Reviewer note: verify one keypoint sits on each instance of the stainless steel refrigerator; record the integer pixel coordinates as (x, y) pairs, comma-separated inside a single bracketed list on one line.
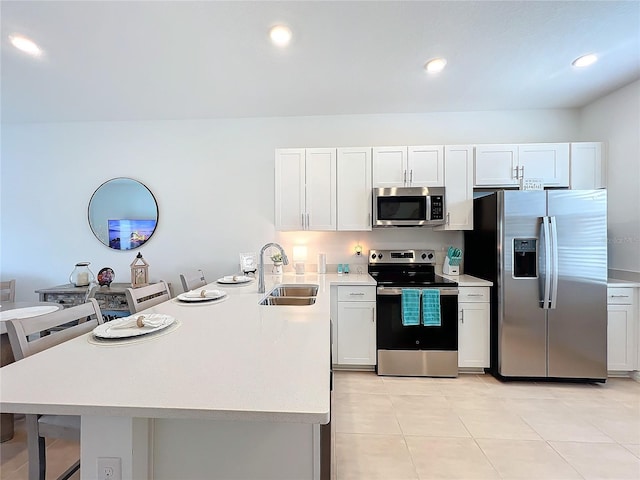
[(546, 253)]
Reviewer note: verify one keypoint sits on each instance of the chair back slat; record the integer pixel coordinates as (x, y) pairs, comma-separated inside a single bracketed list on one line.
[(146, 297), (193, 280), (8, 291), (88, 316)]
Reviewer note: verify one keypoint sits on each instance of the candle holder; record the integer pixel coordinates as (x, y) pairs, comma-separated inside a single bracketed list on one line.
[(81, 275)]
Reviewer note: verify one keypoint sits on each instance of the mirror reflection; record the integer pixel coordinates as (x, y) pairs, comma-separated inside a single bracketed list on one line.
[(123, 213)]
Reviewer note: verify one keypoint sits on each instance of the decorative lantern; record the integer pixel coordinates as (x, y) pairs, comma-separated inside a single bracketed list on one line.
[(81, 275), (139, 272)]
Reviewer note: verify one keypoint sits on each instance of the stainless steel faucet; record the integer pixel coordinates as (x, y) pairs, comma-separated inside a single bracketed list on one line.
[(285, 261)]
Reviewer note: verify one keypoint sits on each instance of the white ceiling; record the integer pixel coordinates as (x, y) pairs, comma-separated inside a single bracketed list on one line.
[(148, 60)]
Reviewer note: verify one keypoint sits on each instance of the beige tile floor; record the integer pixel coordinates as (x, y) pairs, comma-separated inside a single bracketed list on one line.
[(474, 427), (470, 427)]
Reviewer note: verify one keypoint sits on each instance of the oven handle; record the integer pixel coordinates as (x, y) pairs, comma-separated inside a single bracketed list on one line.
[(398, 291)]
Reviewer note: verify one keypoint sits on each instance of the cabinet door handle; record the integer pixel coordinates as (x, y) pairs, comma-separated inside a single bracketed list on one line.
[(353, 294), (302, 220), (474, 295), (448, 218), (522, 172), (516, 173), (307, 221), (405, 177), (411, 177), (462, 315), (619, 296), (373, 315)]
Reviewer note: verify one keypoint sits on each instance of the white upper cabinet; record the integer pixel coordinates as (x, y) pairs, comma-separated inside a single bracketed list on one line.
[(426, 166), (417, 166), (506, 165), (321, 189), (496, 165), (548, 161), (458, 182), (389, 166), (588, 168), (305, 189), (354, 188), (290, 189)]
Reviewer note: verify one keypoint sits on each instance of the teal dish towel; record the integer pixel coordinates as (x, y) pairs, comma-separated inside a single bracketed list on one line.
[(410, 307), (431, 307)]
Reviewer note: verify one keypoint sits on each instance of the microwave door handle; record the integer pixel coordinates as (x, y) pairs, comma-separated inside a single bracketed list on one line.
[(554, 261), (428, 212), (544, 263)]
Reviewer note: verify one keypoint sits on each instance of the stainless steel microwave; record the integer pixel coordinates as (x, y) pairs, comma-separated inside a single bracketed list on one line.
[(408, 207)]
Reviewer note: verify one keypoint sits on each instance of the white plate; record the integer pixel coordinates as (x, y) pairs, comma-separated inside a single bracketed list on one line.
[(106, 330), (238, 279), (27, 312), (195, 296)]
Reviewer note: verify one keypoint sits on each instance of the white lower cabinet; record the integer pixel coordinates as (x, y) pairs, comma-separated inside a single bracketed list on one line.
[(354, 321), (473, 327), (621, 327)]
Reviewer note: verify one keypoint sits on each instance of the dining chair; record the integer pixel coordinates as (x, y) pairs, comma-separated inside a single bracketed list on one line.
[(145, 297), (8, 291), (193, 280), (39, 427)]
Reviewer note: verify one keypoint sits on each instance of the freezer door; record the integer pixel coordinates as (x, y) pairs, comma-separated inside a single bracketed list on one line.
[(522, 331), (577, 319)]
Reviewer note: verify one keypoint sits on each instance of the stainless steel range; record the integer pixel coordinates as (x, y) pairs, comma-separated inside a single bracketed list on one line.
[(413, 349)]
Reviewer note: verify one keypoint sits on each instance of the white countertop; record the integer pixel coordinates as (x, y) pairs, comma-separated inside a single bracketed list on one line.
[(614, 283), (468, 281), (232, 360)]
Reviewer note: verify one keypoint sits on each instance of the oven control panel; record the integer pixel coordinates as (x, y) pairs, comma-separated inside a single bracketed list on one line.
[(402, 256)]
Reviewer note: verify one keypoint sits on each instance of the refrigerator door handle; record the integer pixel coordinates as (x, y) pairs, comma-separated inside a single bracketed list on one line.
[(545, 280), (554, 262)]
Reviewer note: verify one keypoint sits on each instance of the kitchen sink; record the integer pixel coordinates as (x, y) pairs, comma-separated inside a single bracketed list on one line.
[(296, 290), (295, 294), (295, 301)]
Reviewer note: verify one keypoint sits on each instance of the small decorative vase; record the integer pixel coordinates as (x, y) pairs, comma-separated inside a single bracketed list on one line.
[(81, 275), (277, 268)]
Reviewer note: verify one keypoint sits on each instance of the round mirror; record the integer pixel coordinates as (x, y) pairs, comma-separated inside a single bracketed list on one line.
[(123, 213)]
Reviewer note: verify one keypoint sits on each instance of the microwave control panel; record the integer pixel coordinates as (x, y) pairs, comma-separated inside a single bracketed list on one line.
[(437, 207)]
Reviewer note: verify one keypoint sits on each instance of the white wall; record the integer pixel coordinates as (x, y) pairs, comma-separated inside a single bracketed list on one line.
[(615, 120), (213, 180)]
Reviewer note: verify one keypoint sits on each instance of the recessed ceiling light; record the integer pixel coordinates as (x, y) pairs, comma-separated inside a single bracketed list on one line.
[(25, 44), (280, 35), (585, 60), (436, 65)]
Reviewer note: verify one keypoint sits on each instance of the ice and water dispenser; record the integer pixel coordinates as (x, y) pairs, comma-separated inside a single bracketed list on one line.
[(525, 263)]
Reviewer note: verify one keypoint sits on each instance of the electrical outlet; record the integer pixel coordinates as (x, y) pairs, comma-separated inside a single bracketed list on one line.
[(109, 468)]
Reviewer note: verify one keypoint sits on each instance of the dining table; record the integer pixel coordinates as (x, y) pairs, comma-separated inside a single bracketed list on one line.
[(9, 311)]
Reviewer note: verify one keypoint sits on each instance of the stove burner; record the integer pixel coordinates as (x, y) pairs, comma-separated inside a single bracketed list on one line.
[(406, 268)]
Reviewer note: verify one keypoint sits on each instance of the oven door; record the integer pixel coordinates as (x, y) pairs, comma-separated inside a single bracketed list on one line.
[(393, 335)]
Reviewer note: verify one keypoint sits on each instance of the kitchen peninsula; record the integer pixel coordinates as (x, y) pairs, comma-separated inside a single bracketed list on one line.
[(238, 390)]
